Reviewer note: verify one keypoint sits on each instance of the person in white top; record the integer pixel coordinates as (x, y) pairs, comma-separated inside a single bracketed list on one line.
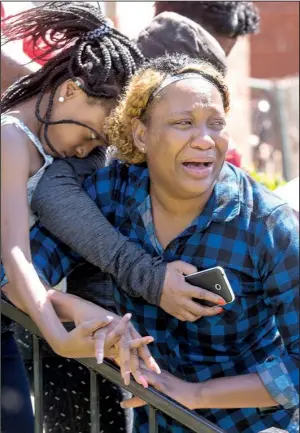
[(58, 111)]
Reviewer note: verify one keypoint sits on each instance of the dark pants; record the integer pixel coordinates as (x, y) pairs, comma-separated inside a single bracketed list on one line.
[(16, 408)]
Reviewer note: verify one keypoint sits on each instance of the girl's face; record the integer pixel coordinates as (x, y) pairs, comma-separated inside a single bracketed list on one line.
[(75, 140), (185, 139)]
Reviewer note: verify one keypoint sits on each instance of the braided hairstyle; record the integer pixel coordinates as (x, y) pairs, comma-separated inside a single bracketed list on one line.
[(137, 100), (226, 18), (82, 45)]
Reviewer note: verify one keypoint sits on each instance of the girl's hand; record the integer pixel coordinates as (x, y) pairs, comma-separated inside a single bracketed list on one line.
[(119, 338), (79, 342)]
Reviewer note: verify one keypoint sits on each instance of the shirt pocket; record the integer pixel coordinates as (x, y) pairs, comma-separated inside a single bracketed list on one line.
[(248, 304)]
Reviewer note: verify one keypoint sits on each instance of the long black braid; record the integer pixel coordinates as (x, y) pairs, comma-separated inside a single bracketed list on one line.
[(85, 47)]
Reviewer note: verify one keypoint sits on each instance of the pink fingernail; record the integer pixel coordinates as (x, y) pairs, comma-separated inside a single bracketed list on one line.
[(154, 366), (143, 381)]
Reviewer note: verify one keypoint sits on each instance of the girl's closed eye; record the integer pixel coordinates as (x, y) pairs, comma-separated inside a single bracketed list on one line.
[(98, 139)]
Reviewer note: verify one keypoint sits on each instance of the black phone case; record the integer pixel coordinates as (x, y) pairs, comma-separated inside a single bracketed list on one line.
[(213, 280)]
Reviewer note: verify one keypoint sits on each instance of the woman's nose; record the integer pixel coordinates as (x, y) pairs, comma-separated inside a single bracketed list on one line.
[(202, 140)]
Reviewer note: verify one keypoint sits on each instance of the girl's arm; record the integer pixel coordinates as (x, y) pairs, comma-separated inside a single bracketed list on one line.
[(15, 247), (26, 289), (65, 209)]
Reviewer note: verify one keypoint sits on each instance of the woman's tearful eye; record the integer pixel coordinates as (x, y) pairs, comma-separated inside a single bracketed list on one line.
[(183, 123), (218, 123), (93, 136)]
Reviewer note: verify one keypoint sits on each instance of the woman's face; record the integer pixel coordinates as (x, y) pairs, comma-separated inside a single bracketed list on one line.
[(185, 138), (74, 140)]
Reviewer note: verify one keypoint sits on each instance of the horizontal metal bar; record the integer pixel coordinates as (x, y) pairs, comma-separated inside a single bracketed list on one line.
[(18, 316), (179, 413)]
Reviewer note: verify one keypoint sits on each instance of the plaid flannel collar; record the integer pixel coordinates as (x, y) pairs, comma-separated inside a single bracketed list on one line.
[(223, 205)]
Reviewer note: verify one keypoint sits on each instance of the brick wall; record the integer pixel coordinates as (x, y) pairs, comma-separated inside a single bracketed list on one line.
[(275, 51)]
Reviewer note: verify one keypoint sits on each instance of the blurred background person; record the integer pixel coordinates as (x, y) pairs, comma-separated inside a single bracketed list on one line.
[(225, 21)]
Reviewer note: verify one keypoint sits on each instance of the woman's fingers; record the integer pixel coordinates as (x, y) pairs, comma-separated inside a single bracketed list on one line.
[(124, 348), (135, 360), (131, 346), (129, 359), (140, 342), (115, 335), (158, 381), (145, 354), (148, 359), (135, 368), (132, 403)]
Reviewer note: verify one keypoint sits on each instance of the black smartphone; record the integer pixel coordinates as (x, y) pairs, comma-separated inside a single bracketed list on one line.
[(213, 280)]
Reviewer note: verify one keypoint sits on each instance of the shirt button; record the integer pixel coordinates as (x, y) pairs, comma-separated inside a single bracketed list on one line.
[(172, 247)]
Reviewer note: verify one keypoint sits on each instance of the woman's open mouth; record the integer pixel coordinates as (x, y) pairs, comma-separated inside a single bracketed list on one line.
[(198, 169)]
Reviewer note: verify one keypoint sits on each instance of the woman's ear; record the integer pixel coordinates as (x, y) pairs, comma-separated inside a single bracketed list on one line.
[(139, 134)]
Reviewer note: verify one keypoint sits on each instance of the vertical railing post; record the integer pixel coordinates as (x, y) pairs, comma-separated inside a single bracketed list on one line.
[(38, 386), (153, 428), (94, 403)]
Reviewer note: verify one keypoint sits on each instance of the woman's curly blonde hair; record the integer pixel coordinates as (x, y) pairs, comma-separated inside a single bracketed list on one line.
[(135, 101)]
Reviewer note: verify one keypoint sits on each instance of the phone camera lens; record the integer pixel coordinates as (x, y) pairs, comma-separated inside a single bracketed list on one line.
[(218, 287)]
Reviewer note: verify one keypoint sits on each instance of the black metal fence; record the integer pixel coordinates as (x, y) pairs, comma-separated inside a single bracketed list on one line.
[(156, 400)]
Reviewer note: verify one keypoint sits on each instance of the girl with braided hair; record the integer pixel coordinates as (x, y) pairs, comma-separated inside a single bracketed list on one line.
[(56, 112)]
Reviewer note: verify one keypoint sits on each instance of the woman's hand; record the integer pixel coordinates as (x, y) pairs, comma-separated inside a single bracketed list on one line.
[(183, 392), (177, 295)]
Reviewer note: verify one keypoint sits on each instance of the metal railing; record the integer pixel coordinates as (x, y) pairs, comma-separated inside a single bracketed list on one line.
[(156, 400)]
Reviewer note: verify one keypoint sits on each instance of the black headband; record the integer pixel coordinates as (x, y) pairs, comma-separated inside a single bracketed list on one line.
[(173, 79)]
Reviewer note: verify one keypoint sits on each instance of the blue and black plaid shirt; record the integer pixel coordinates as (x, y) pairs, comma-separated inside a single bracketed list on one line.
[(254, 236)]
